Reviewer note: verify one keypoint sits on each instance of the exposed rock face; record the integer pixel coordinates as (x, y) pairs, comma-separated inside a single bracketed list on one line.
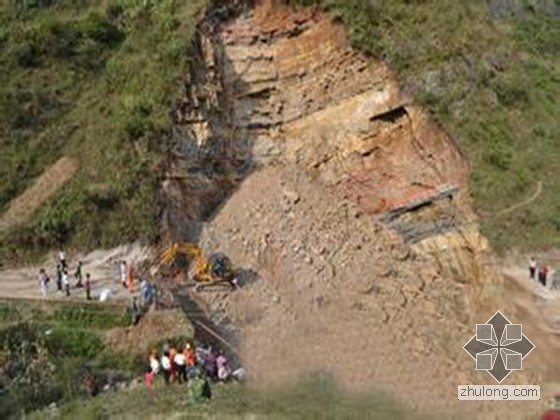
[(281, 92), (276, 86)]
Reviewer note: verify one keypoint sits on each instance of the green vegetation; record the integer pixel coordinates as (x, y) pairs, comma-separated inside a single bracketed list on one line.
[(492, 84), (90, 317), (311, 399), (94, 80), (46, 350)]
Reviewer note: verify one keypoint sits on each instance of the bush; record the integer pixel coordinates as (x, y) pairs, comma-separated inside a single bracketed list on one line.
[(27, 372), (498, 155), (72, 342), (59, 220), (86, 317), (100, 29)]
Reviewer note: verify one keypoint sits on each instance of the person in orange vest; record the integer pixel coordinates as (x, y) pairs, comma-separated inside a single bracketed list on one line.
[(190, 357)]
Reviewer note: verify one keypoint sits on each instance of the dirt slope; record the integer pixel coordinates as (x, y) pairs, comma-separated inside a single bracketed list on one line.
[(341, 293), (47, 184)]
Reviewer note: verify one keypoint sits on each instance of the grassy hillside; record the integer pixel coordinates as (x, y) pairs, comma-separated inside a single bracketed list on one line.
[(95, 80), (494, 85), (314, 399), (46, 348)]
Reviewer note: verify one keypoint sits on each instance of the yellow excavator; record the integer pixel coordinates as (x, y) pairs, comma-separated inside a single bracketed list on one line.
[(215, 269)]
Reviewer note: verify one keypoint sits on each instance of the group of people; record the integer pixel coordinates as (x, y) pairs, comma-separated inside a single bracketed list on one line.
[(63, 278), (539, 271), (189, 363)]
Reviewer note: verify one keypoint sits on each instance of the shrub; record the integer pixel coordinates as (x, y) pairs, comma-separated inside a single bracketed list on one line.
[(100, 29), (72, 342), (86, 317), (60, 218)]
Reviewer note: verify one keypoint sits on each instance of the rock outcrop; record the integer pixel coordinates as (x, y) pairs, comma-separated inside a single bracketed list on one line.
[(303, 160), (279, 86)]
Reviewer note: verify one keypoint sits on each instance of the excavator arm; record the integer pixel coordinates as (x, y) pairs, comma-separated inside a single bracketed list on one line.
[(199, 270), (171, 253)]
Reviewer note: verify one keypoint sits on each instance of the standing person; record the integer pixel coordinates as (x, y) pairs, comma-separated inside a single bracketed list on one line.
[(223, 367), (532, 268), (154, 363), (91, 384), (88, 287), (62, 259), (143, 288), (123, 273), (130, 279), (59, 277), (172, 354), (166, 367), (544, 270), (210, 364), (78, 274), (66, 282), (44, 282), (134, 311), (180, 363), (149, 377), (190, 359), (555, 280), (554, 412)]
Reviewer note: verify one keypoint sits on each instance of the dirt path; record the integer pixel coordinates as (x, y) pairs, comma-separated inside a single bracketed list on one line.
[(102, 266), (48, 183), (535, 195)]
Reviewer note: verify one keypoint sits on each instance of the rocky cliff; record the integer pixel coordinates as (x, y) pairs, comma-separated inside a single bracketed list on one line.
[(303, 160), (282, 86)]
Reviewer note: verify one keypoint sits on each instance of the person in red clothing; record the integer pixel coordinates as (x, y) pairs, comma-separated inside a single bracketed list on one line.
[(149, 377), (554, 412), (172, 354)]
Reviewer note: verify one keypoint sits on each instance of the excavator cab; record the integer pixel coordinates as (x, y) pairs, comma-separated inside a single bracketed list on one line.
[(220, 266)]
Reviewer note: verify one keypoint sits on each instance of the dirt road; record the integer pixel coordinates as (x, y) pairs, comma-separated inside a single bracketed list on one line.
[(102, 266)]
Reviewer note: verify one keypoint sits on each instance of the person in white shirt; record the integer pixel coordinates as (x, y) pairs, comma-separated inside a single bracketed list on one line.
[(154, 364), (532, 268), (66, 282), (166, 367), (43, 282), (181, 367), (123, 273), (62, 258)]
